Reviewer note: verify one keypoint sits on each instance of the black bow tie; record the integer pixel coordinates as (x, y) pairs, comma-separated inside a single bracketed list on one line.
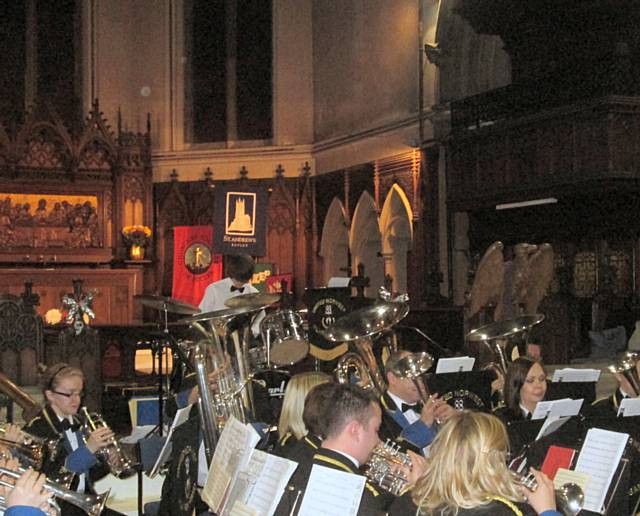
[(239, 289), (416, 407), (66, 425)]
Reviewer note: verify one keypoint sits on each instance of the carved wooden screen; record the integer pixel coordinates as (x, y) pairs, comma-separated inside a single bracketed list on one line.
[(65, 194), (21, 338)]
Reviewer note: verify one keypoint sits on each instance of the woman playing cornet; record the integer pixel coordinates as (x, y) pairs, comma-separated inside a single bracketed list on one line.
[(63, 388)]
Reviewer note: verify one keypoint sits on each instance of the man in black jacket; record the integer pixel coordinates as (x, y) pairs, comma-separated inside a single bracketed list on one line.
[(351, 432)]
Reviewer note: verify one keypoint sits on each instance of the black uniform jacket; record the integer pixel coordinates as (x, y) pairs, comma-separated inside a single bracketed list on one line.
[(299, 450), (47, 425), (372, 503), (497, 507)]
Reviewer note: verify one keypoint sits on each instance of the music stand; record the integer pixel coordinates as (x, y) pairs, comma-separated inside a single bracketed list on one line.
[(165, 305)]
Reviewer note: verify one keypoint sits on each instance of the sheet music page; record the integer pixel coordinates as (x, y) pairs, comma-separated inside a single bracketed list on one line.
[(566, 408), (261, 484), (543, 409), (551, 424), (232, 454), (455, 365), (599, 457), (181, 416), (569, 374), (330, 492), (629, 407)]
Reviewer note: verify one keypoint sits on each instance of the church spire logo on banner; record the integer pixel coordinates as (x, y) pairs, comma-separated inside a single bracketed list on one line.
[(240, 220), (241, 213)]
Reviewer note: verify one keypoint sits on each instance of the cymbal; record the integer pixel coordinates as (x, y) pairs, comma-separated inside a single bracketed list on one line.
[(367, 321), (255, 300), (503, 329), (218, 314), (169, 304)]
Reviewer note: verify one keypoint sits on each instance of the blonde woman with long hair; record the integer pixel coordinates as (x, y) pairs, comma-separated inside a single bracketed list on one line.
[(466, 474), (291, 427)]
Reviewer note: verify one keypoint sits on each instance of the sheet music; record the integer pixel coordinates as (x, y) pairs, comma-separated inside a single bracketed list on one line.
[(557, 408), (260, 485), (231, 455), (455, 365), (599, 457), (629, 407), (569, 374), (181, 416), (551, 424), (330, 492)]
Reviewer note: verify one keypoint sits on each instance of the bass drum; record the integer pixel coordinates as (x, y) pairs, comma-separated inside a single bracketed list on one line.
[(179, 490), (275, 383)]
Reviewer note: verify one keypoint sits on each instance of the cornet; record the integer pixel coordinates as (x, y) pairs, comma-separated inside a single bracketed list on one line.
[(32, 448), (569, 498), (387, 467), (91, 504), (628, 368), (116, 459)]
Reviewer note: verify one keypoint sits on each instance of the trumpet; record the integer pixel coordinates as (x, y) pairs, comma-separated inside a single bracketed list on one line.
[(91, 504), (569, 498), (120, 464), (387, 467), (628, 368), (32, 448)]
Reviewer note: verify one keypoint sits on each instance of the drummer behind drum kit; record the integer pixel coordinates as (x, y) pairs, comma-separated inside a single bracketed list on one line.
[(224, 333)]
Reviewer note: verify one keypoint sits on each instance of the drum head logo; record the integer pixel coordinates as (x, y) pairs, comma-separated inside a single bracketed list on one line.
[(197, 258)]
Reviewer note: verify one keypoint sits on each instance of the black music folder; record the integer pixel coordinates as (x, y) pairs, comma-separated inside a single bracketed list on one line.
[(573, 390), (466, 390)]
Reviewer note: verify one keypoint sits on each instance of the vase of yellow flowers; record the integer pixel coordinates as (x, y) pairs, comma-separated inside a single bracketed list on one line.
[(137, 237)]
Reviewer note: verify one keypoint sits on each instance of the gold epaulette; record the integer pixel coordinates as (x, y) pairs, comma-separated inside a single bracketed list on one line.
[(509, 504)]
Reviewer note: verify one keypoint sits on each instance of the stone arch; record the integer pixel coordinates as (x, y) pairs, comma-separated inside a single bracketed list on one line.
[(365, 242), (334, 243), (396, 229)]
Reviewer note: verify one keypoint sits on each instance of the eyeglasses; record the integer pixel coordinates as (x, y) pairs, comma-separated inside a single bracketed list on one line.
[(70, 394)]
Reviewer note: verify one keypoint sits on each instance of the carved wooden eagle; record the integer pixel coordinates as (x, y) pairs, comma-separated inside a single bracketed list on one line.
[(508, 285)]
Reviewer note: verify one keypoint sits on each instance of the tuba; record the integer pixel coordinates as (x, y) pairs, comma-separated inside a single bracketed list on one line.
[(218, 405), (569, 498), (628, 367), (119, 462), (91, 504)]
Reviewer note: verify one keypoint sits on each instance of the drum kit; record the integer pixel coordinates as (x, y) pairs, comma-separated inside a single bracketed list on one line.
[(283, 341)]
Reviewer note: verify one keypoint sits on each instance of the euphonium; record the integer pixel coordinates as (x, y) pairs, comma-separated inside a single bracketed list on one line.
[(569, 498), (387, 467), (32, 448), (363, 364), (120, 464), (91, 504), (628, 368)]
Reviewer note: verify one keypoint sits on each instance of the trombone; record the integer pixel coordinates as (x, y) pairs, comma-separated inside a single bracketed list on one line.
[(91, 504)]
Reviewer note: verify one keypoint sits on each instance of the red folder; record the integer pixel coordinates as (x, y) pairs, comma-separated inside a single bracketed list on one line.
[(556, 458)]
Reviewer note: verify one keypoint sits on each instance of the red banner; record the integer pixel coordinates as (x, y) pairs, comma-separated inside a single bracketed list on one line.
[(194, 265)]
